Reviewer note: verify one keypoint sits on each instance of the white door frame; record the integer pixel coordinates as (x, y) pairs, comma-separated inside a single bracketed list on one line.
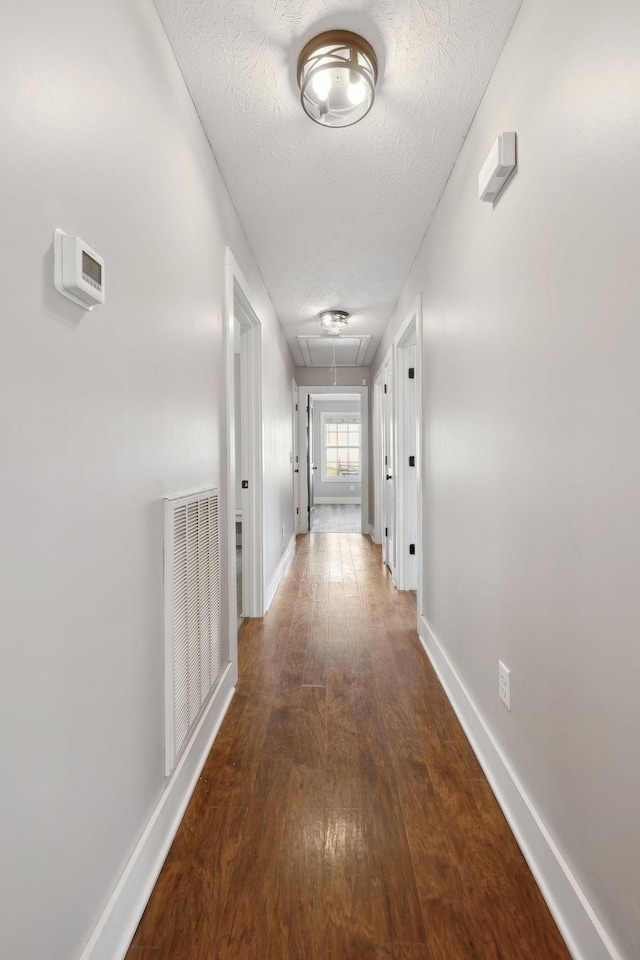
[(238, 302), (295, 454), (408, 576), (303, 396), (388, 463), (406, 439), (378, 458)]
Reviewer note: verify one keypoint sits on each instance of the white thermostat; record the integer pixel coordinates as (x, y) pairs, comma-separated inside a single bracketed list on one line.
[(78, 271), (497, 167)]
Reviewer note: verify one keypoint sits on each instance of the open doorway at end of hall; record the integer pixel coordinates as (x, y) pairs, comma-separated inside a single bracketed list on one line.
[(333, 432)]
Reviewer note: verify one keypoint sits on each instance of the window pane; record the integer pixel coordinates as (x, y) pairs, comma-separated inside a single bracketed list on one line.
[(341, 448)]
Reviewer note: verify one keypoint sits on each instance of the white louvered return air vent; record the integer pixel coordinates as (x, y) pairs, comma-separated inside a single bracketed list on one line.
[(193, 658)]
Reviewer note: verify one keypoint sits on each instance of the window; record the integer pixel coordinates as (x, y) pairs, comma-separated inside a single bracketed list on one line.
[(340, 447)]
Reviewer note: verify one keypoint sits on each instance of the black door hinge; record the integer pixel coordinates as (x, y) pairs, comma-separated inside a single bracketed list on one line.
[(385, 388), (296, 406), (297, 509), (412, 461), (386, 531), (386, 461), (245, 484), (412, 549), (412, 373)]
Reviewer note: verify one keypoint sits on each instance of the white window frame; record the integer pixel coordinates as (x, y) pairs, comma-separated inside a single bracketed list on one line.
[(335, 416)]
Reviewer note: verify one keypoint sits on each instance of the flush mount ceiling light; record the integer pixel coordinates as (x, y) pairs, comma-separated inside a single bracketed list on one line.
[(337, 73), (333, 321)]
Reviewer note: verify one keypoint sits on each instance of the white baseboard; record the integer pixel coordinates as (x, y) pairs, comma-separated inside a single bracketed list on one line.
[(274, 583), (114, 931), (584, 935), (337, 499)]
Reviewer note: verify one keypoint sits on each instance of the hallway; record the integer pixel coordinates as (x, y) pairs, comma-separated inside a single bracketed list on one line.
[(341, 812)]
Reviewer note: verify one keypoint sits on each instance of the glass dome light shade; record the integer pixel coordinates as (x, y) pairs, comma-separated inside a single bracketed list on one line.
[(337, 74), (333, 321)]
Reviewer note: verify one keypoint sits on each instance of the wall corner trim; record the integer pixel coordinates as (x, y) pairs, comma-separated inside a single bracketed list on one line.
[(583, 932), (274, 583), (115, 929)]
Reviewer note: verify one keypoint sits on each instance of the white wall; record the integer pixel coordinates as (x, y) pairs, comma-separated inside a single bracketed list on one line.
[(333, 489), (103, 414), (531, 397)]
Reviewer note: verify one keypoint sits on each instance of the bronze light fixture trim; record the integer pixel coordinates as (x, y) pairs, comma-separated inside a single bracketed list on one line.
[(337, 74)]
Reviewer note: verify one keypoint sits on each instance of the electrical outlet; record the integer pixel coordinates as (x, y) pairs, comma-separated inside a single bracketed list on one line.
[(504, 684)]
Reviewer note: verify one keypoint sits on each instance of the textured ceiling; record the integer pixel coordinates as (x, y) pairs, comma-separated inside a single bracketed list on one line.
[(335, 217)]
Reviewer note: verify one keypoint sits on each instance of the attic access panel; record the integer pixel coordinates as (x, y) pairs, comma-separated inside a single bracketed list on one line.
[(349, 351)]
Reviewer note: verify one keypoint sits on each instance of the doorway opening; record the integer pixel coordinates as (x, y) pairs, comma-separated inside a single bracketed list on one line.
[(243, 494), (333, 479)]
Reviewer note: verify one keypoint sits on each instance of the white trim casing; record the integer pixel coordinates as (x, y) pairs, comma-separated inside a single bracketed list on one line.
[(407, 414), (295, 455), (377, 471), (238, 290), (115, 929), (421, 447), (387, 459), (583, 933), (304, 393)]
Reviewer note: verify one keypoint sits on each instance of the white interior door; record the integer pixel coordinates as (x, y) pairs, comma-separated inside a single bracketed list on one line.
[(295, 456), (407, 465), (311, 465), (388, 490)]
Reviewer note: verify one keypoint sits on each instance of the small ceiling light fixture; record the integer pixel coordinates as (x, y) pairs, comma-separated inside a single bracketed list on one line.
[(337, 74), (333, 321)]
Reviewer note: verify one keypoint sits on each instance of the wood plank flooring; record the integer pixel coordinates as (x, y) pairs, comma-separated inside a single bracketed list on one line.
[(341, 814)]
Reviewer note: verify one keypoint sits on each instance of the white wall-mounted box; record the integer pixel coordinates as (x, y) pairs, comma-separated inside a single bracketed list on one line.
[(498, 167), (78, 271)]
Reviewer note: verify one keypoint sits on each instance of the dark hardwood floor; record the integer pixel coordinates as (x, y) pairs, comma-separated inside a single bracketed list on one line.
[(341, 814)]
